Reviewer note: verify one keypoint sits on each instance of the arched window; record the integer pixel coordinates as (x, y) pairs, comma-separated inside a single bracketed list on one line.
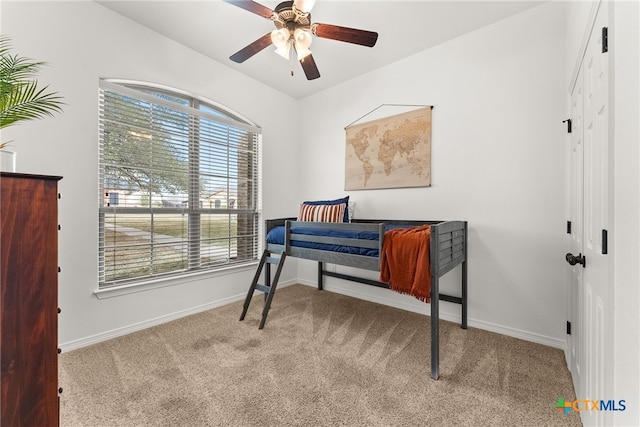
[(164, 157)]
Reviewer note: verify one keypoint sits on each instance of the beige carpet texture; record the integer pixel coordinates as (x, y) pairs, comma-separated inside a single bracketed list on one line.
[(323, 359)]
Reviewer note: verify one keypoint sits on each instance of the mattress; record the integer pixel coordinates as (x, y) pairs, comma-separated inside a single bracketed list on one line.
[(276, 236)]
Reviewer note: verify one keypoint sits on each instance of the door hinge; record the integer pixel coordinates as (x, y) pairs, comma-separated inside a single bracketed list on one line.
[(568, 122), (568, 328), (605, 243), (568, 227), (605, 40)]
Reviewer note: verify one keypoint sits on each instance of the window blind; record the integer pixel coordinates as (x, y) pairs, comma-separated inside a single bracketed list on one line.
[(179, 185)]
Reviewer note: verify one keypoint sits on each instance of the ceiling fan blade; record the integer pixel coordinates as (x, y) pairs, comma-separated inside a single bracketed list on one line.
[(252, 7), (310, 68), (251, 49), (304, 5), (345, 34)]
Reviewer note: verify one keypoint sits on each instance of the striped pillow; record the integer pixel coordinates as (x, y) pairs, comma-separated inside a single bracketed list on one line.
[(332, 202), (322, 213)]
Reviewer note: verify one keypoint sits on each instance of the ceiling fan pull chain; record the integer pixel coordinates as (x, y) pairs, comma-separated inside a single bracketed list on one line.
[(293, 60)]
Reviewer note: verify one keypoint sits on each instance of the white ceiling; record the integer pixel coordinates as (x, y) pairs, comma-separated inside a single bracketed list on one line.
[(217, 30)]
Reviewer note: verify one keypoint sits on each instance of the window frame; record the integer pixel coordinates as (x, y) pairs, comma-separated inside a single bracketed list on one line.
[(219, 114)]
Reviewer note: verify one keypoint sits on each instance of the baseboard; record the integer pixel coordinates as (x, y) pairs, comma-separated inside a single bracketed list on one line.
[(517, 333), (115, 333), (421, 308), (416, 307)]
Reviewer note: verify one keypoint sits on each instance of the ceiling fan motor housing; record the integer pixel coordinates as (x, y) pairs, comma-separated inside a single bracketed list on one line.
[(287, 16)]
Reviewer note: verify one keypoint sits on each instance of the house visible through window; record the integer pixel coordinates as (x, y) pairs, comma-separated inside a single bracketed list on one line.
[(179, 185)]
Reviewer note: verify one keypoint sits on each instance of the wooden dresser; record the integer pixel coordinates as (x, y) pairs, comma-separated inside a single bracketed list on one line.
[(29, 300)]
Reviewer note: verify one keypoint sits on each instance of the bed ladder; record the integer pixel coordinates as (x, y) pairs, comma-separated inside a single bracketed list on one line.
[(269, 287)]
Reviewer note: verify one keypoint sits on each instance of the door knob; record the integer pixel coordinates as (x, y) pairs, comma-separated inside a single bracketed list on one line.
[(573, 260)]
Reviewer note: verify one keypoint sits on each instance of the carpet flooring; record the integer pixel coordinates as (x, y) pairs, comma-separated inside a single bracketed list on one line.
[(323, 359)]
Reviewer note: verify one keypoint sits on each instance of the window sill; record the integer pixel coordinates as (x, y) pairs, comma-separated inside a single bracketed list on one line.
[(117, 291)]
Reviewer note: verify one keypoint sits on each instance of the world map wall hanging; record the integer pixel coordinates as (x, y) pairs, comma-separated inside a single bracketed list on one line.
[(393, 151)]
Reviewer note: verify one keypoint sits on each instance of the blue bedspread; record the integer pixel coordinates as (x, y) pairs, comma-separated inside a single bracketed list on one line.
[(276, 236)]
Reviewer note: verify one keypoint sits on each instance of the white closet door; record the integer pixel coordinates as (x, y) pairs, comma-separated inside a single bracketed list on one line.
[(597, 302), (590, 300)]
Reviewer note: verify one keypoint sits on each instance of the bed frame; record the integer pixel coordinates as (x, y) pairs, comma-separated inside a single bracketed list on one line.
[(448, 249)]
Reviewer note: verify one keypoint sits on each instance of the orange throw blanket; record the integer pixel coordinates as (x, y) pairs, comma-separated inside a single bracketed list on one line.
[(404, 263)]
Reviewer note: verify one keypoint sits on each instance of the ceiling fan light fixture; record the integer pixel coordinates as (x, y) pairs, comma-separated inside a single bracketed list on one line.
[(302, 52), (280, 37), (284, 50), (302, 38), (304, 6), (302, 41), (282, 41)]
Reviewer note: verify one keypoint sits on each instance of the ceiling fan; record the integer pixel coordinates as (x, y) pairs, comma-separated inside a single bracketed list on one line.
[(294, 29)]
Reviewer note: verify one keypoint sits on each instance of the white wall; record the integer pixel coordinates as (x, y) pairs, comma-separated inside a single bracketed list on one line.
[(497, 161), (83, 41)]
